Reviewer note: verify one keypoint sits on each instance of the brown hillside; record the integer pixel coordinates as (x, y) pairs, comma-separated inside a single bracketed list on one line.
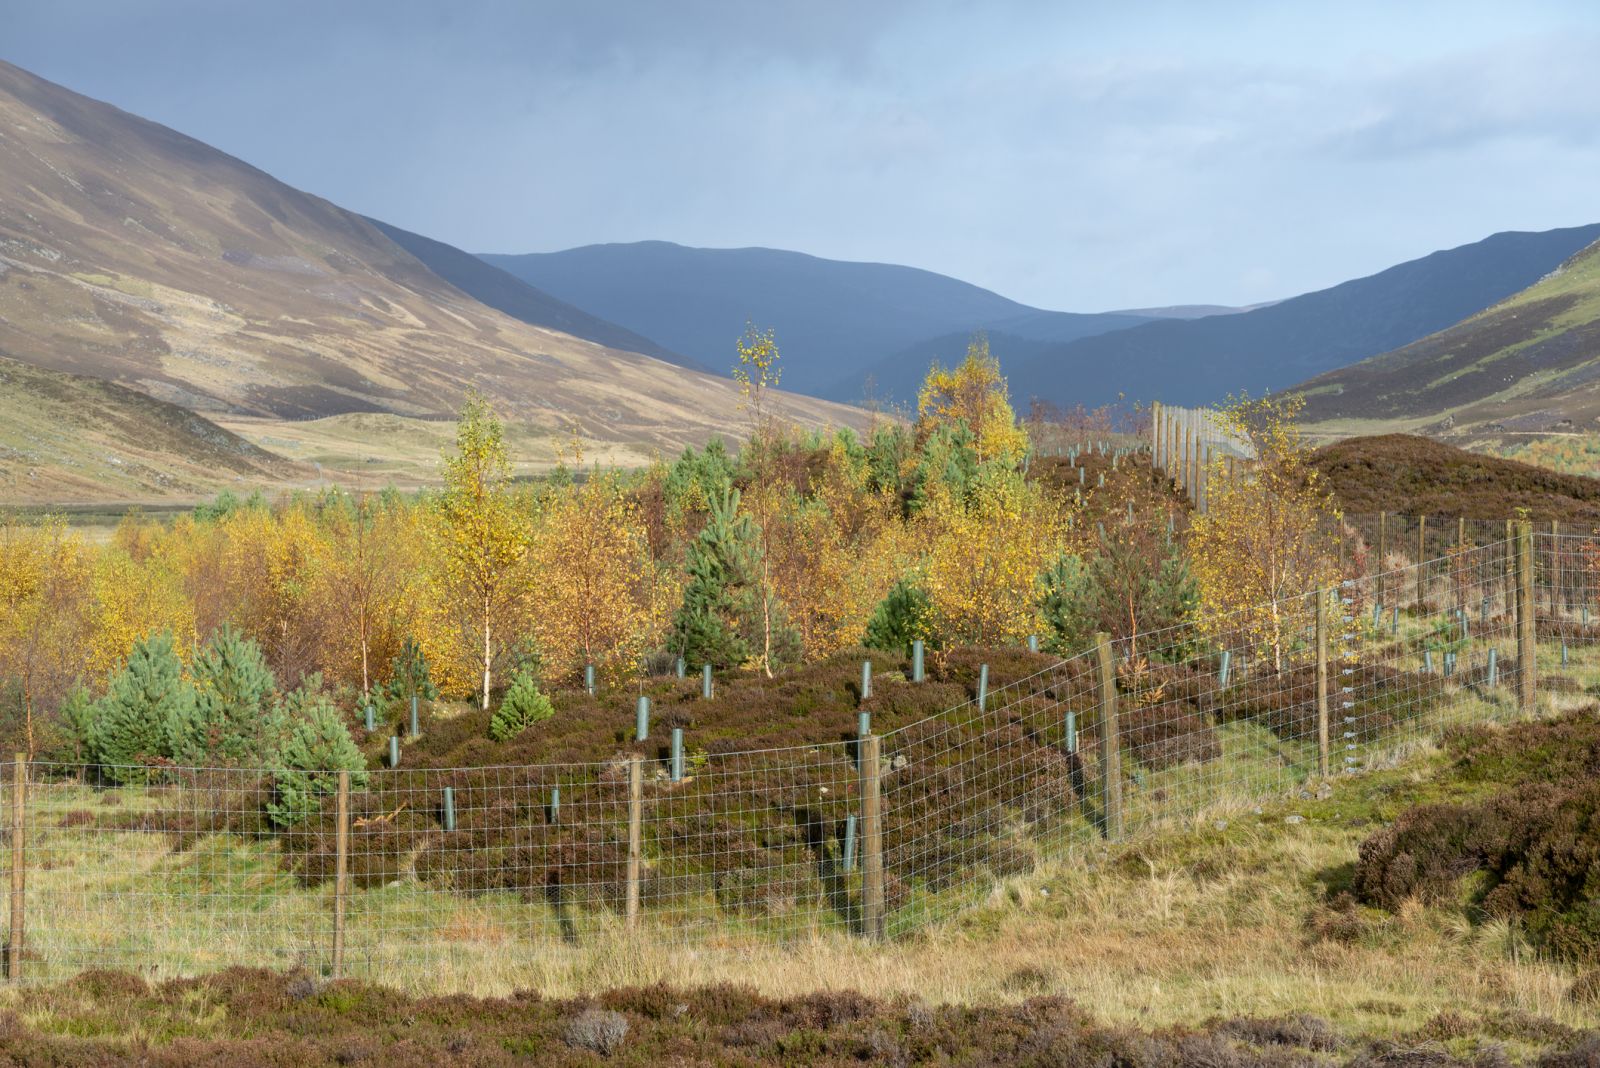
[(1408, 475), (133, 253), (71, 438)]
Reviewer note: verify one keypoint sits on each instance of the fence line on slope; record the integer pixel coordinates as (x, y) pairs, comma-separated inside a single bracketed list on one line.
[(450, 871)]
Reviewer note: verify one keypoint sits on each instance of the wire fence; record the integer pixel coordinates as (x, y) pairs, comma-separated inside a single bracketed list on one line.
[(1187, 443), (182, 870)]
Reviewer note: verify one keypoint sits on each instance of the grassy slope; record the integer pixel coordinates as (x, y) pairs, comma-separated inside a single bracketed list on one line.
[(1529, 364), (68, 438), (132, 253)]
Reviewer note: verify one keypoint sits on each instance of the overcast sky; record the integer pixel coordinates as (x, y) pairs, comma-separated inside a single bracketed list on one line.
[(1074, 156)]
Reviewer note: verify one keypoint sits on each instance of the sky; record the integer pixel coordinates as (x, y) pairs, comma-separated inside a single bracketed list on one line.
[(1073, 156)]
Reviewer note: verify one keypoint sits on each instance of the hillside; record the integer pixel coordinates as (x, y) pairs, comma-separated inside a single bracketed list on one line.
[(837, 322), (1529, 364), (503, 292), (70, 438), (133, 253), (1202, 360), (1409, 475)]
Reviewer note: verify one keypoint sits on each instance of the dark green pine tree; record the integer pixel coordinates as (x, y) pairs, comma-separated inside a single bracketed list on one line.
[(409, 674), (146, 704), (899, 619), (707, 628), (232, 723), (316, 747)]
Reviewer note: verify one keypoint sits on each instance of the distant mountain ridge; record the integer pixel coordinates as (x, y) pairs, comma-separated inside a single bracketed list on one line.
[(1200, 361), (837, 321), (1529, 364), (504, 292)]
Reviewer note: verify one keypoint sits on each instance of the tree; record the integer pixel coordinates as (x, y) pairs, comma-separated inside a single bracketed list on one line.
[(1260, 545), (485, 538), (317, 746), (147, 705), (233, 691), (362, 580), (44, 586), (591, 599), (984, 558), (522, 707), (900, 618), (974, 393), (728, 616), (757, 372), (1138, 582), (409, 674)]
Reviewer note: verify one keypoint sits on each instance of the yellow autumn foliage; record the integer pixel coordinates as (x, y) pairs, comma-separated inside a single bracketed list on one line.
[(1262, 545), (974, 392)]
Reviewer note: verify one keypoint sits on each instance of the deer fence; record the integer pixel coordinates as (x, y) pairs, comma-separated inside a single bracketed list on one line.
[(876, 834)]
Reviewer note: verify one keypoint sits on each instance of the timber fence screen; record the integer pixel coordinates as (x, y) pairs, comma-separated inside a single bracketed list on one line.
[(447, 870)]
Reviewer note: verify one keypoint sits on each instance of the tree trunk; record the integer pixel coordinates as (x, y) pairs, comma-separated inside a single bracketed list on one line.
[(366, 681), (486, 654)]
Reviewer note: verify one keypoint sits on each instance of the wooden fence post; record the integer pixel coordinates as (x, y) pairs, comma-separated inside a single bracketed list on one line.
[(635, 836), (19, 885), (341, 870), (1110, 740), (872, 917), (1422, 554), (1322, 683), (1527, 649), (1188, 450), (1155, 435)]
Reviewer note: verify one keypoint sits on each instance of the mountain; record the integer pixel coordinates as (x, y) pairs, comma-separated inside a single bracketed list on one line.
[(897, 378), (490, 285), (1530, 363), (68, 438), (1198, 361), (836, 321), (132, 253)]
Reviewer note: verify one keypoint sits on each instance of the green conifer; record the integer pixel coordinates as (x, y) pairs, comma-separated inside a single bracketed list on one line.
[(146, 705), (899, 619), (522, 707), (316, 747), (233, 688)]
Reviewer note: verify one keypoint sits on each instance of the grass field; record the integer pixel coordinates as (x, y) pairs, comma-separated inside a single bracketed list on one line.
[(1212, 908)]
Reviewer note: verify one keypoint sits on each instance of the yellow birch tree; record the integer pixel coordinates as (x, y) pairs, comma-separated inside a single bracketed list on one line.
[(485, 537), (1262, 544)]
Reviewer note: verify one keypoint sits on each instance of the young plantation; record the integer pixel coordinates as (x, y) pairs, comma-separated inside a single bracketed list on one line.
[(192, 633)]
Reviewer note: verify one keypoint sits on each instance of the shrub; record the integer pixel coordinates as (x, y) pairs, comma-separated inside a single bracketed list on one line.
[(600, 1031), (522, 707), (316, 748), (146, 705), (1536, 846)]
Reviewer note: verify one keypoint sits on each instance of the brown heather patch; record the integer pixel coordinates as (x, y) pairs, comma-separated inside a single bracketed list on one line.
[(243, 1017), (1407, 475)]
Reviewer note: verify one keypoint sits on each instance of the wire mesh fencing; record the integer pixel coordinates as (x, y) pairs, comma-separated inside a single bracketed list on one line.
[(438, 870)]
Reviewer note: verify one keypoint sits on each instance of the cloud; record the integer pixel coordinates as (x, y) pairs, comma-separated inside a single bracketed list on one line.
[(1077, 156)]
